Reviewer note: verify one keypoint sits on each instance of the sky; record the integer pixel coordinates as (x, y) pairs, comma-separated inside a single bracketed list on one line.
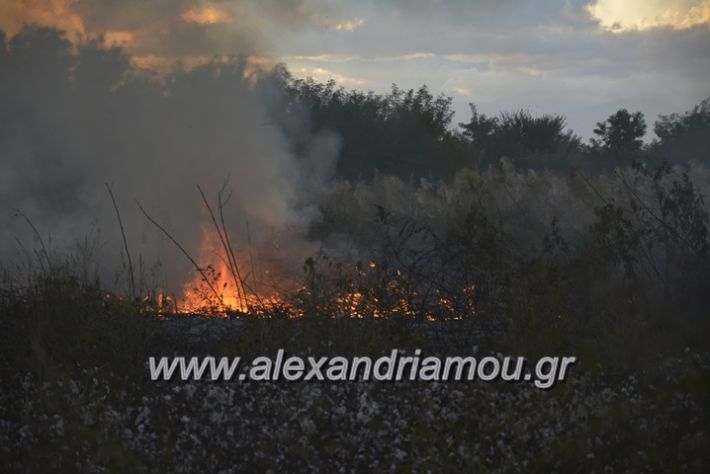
[(584, 59)]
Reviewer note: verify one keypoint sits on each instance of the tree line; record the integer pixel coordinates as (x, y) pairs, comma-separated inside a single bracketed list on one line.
[(405, 133), (409, 133)]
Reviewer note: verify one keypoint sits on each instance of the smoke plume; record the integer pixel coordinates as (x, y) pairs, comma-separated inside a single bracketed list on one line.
[(77, 116)]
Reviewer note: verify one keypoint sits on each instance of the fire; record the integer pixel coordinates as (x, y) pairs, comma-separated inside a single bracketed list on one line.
[(226, 284), (222, 288), (218, 287)]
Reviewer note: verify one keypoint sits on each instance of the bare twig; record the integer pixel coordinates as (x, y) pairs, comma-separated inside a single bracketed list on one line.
[(26, 253), (182, 249), (224, 239), (251, 256), (125, 241), (221, 203)]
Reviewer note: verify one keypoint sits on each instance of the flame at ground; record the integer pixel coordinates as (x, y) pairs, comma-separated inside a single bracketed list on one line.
[(226, 285), (220, 286)]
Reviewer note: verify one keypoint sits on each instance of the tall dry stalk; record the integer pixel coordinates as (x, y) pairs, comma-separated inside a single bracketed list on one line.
[(227, 246), (125, 241), (182, 249), (43, 249)]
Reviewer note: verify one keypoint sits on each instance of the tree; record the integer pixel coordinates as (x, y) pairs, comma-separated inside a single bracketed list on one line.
[(480, 130), (532, 134), (620, 134), (404, 133), (684, 137), (528, 140)]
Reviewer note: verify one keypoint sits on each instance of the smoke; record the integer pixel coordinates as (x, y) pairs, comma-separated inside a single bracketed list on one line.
[(78, 116)]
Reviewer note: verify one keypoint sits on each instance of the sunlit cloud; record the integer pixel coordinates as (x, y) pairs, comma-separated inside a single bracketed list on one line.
[(325, 58), (461, 91), (152, 63), (162, 65), (465, 58), (350, 26), (412, 56), (532, 71), (322, 75), (205, 16), (627, 15), (260, 60), (339, 58), (56, 13), (119, 38)]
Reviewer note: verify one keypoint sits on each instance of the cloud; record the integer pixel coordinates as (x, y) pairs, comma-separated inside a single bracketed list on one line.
[(119, 38), (628, 15), (462, 91), (323, 75), (324, 58), (350, 26), (205, 16), (335, 58), (56, 13)]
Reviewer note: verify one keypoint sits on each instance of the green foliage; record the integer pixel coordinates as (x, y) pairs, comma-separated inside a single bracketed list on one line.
[(621, 134), (404, 133), (533, 134), (684, 137), (409, 134), (531, 142)]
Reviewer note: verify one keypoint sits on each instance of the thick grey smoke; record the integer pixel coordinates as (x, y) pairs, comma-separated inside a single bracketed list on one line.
[(76, 118)]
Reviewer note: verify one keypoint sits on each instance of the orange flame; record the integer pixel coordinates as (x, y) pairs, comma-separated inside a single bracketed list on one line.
[(218, 287), (226, 286)]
